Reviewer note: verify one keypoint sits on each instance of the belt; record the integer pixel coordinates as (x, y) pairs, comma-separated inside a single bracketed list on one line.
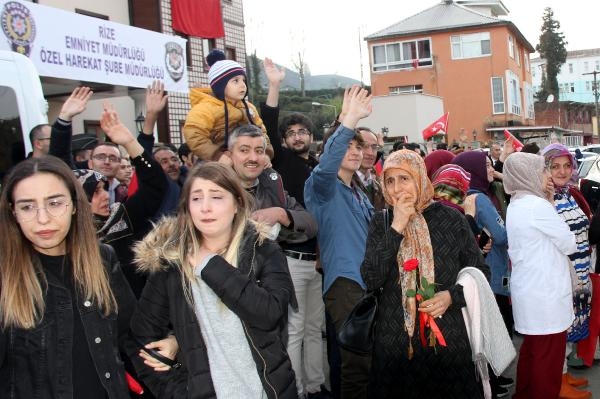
[(299, 255)]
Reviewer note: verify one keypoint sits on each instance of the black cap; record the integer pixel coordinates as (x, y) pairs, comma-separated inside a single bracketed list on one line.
[(85, 141)]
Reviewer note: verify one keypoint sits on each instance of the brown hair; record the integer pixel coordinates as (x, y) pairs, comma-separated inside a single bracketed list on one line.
[(21, 275), (357, 136)]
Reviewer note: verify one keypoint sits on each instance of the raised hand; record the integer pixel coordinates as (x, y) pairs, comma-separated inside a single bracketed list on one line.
[(113, 127), (274, 75), (359, 106), (76, 103), (156, 98)]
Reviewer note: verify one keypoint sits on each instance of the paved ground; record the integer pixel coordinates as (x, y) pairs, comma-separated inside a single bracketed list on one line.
[(592, 373)]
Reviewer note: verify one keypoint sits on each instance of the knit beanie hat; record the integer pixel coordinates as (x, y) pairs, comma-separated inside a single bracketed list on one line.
[(221, 70)]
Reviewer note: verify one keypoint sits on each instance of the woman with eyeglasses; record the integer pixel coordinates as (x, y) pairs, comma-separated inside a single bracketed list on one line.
[(64, 302)]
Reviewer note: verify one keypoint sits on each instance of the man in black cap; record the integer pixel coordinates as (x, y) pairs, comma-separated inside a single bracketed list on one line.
[(82, 145)]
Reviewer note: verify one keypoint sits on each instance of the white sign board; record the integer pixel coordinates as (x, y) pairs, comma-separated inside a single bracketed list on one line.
[(66, 45)]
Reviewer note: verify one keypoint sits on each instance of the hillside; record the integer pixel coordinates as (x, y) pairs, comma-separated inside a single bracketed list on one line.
[(313, 82)]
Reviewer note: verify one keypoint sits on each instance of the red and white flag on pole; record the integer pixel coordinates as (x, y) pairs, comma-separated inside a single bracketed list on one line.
[(440, 126), (200, 18), (516, 144)]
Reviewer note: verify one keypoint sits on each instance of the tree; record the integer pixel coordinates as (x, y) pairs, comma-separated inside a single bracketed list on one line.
[(552, 48), (300, 66), (254, 85)]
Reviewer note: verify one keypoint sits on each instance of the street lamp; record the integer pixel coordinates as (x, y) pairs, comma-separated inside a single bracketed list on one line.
[(139, 122), (316, 104)]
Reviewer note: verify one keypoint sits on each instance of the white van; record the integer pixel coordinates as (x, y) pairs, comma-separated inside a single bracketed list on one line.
[(22, 107)]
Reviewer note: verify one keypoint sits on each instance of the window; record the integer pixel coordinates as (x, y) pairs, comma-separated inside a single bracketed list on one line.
[(588, 86), (514, 93), (498, 95), (511, 47), (597, 65), (586, 66), (188, 47), (470, 46), (406, 89), (230, 53), (529, 100), (570, 68), (402, 55), (572, 87), (518, 55), (207, 46)]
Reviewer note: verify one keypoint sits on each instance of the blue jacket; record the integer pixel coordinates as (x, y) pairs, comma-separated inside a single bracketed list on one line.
[(343, 213), (488, 218)]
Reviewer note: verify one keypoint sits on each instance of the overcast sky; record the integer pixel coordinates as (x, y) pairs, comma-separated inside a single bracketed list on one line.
[(329, 31)]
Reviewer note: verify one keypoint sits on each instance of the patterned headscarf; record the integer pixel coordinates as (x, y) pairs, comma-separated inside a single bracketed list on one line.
[(117, 224), (556, 150), (416, 243), (450, 184)]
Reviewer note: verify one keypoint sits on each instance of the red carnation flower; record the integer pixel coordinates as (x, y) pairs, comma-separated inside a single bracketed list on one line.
[(410, 265)]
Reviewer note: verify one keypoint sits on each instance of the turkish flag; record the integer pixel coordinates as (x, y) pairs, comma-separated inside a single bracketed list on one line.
[(440, 126), (200, 18), (516, 144)]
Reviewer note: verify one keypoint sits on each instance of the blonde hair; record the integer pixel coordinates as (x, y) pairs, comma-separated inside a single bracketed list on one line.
[(186, 239), (22, 279)]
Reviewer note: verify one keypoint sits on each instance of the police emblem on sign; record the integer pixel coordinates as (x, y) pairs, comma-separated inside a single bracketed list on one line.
[(18, 26), (174, 60)]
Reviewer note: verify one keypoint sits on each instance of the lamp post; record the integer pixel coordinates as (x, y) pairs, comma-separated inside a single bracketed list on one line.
[(139, 122), (316, 104)]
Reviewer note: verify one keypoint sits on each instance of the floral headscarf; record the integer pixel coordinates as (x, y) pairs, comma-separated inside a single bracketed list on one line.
[(450, 185), (556, 150), (416, 243)]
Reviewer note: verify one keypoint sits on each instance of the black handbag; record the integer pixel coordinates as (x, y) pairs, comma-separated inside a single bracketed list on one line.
[(358, 331)]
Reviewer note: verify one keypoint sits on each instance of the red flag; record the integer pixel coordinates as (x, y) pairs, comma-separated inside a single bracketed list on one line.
[(201, 18), (516, 144), (440, 126)]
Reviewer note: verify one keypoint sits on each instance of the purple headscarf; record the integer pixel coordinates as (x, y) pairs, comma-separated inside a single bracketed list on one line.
[(556, 150), (474, 162)]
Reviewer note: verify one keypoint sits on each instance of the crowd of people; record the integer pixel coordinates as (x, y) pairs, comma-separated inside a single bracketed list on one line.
[(222, 268)]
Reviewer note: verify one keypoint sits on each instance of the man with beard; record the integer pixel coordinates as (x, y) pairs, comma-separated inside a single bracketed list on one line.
[(294, 163), (365, 176)]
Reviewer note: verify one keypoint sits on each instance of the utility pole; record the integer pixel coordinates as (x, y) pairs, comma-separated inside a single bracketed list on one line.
[(596, 91)]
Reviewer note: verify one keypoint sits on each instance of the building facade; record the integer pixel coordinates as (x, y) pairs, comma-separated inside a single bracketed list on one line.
[(576, 79), (154, 15), (462, 52)]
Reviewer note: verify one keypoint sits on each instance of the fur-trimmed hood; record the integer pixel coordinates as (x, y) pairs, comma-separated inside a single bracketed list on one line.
[(158, 250)]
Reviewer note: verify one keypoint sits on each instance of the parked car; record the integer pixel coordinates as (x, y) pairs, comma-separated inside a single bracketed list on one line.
[(589, 180)]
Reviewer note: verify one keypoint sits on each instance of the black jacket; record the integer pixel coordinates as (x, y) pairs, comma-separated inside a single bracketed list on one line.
[(141, 207), (37, 363), (258, 291)]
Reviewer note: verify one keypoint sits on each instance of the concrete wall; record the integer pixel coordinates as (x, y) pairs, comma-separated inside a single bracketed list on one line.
[(116, 10), (404, 114)]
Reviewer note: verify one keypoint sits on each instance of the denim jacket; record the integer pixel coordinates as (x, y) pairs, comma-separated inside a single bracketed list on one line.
[(37, 363)]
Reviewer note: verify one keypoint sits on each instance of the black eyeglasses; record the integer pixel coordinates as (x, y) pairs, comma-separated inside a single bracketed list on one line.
[(104, 157), (299, 133), (55, 207)]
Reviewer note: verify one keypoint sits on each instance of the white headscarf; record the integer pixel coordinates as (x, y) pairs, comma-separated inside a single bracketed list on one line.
[(523, 174)]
